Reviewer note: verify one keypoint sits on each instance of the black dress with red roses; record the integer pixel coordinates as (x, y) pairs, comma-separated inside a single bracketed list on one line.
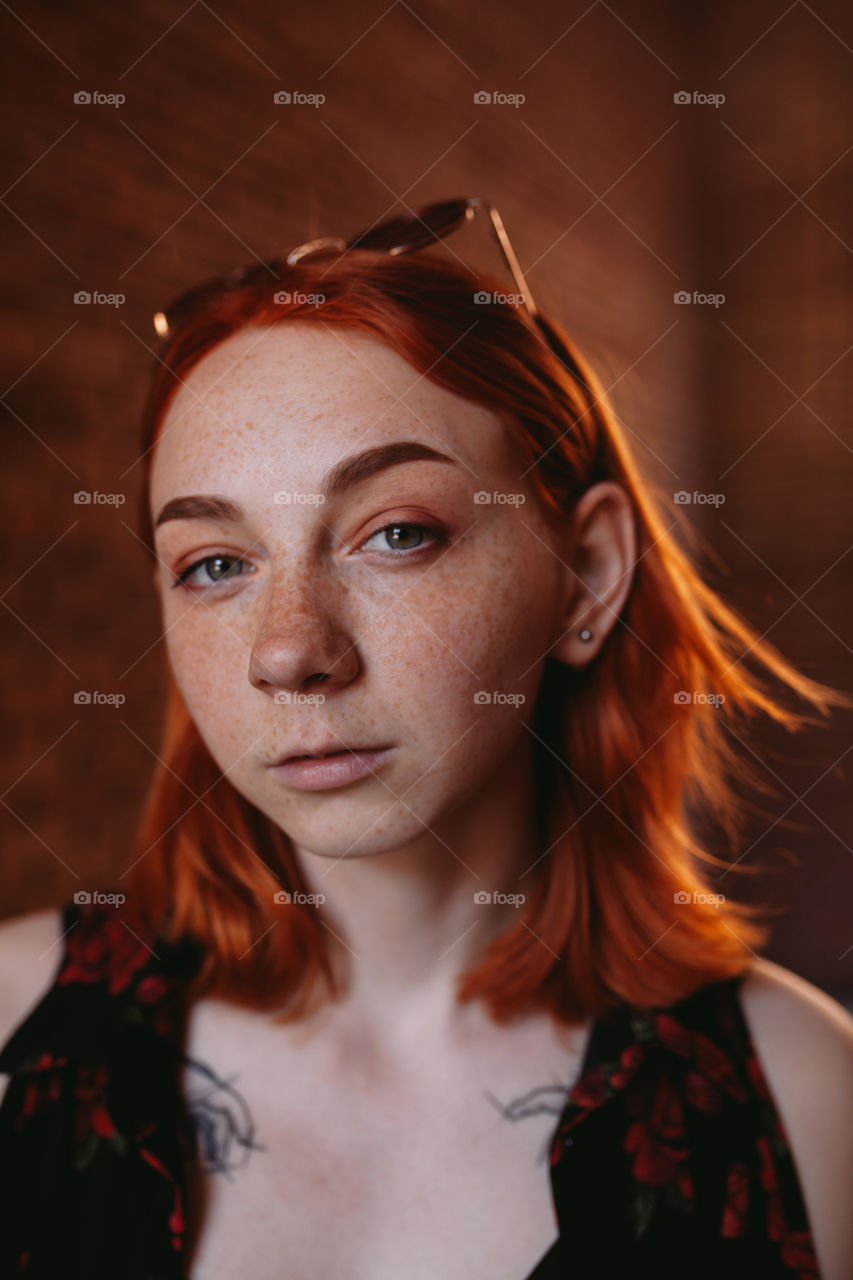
[(669, 1158)]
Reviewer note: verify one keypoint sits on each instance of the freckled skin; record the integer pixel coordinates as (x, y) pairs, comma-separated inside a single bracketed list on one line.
[(408, 636)]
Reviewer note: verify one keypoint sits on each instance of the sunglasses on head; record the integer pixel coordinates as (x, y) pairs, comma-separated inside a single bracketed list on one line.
[(404, 233)]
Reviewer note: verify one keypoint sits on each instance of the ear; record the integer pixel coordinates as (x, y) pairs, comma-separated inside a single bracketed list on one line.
[(598, 554)]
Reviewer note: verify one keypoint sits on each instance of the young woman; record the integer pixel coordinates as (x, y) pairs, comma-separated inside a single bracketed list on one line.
[(467, 998)]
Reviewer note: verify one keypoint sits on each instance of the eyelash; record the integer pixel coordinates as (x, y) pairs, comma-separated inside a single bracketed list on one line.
[(437, 533)]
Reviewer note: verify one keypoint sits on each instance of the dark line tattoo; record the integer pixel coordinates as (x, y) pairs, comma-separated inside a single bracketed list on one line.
[(221, 1117), (545, 1099)]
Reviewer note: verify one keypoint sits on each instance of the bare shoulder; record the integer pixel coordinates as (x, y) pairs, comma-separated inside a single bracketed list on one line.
[(30, 952), (804, 1041)]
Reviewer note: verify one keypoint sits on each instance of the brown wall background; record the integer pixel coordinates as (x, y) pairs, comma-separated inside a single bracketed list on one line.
[(615, 196)]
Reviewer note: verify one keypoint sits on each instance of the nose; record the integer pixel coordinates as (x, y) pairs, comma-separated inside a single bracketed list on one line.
[(299, 644)]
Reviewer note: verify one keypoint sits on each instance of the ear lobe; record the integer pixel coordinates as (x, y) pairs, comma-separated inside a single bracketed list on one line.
[(601, 570), (577, 647)]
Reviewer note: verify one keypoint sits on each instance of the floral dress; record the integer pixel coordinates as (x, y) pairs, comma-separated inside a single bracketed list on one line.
[(669, 1158)]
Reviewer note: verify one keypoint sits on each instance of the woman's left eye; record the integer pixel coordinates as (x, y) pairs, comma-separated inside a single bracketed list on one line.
[(402, 532)]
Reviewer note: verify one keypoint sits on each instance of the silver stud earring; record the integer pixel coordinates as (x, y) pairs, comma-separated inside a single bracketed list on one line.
[(586, 634)]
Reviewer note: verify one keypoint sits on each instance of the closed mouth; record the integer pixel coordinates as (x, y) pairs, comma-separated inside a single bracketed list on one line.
[(323, 755), (331, 755)]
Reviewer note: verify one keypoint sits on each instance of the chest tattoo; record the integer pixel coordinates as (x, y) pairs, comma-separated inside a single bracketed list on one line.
[(221, 1117), (545, 1099)]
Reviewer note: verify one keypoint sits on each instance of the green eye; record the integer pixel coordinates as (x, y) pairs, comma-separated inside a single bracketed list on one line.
[(220, 567), (403, 536)]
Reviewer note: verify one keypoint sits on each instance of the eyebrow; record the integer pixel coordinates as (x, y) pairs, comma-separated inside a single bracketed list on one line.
[(344, 475)]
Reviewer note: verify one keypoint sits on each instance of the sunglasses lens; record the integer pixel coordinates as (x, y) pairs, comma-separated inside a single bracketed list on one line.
[(413, 230)]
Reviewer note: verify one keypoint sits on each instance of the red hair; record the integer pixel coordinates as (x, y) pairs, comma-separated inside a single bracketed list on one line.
[(607, 922)]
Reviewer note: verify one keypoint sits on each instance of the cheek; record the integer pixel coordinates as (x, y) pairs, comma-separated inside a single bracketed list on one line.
[(210, 666), (485, 632)]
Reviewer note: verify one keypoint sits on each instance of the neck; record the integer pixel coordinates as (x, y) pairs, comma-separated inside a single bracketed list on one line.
[(409, 919)]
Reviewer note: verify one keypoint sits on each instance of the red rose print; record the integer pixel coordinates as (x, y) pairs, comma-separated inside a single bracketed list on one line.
[(674, 1036), (154, 1162), (92, 1115), (43, 1085), (151, 989), (630, 1061), (757, 1078), (177, 1223), (702, 1094), (737, 1201), (768, 1170), (772, 1199), (656, 1139), (717, 1066), (798, 1252), (100, 948), (591, 1090), (176, 1220), (709, 1058)]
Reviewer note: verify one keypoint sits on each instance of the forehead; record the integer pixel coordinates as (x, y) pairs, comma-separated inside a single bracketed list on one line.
[(296, 398)]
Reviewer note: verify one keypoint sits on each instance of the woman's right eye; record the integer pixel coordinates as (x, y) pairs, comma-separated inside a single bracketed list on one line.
[(221, 567)]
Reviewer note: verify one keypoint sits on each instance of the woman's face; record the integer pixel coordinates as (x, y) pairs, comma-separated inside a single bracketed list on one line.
[(413, 627)]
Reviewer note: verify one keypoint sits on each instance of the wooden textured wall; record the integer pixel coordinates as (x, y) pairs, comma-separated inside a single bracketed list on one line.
[(617, 196)]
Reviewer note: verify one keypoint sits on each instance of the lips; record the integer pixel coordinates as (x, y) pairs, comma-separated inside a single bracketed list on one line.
[(321, 755), (332, 770), (316, 753)]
